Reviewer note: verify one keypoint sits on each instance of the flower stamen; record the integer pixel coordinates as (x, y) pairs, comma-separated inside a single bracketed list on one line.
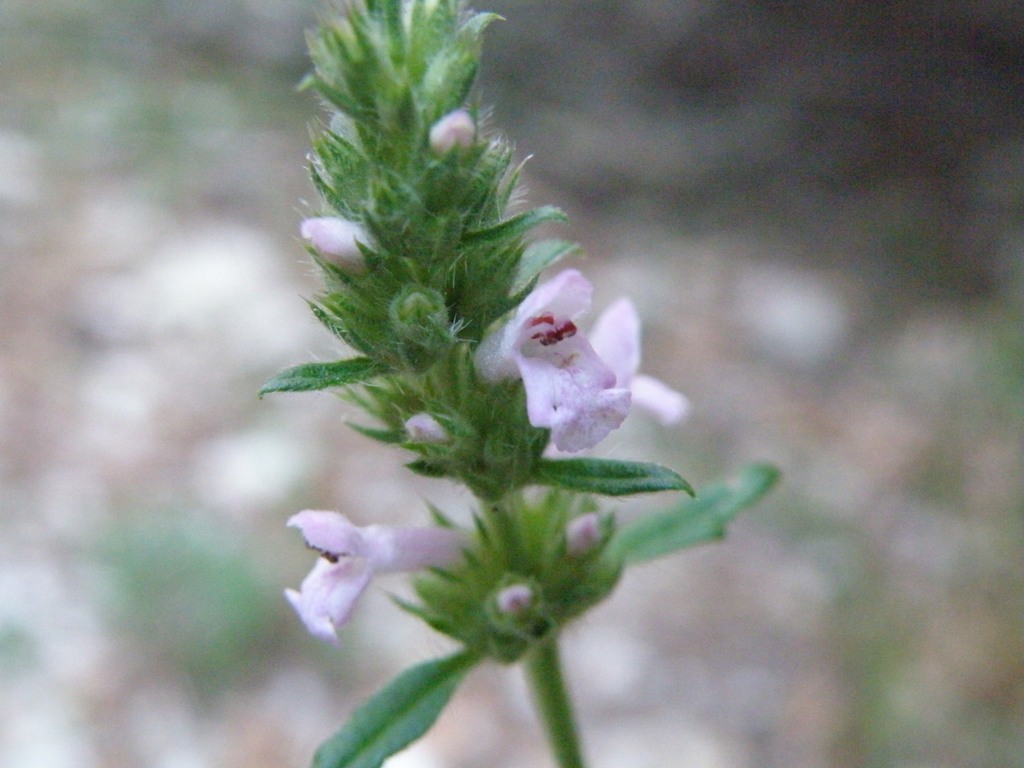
[(554, 334), (326, 554)]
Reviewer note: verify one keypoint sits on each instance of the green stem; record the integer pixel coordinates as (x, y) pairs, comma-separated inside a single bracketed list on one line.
[(544, 672), (507, 532)]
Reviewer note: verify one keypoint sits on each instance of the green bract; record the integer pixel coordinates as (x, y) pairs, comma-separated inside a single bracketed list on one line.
[(518, 542)]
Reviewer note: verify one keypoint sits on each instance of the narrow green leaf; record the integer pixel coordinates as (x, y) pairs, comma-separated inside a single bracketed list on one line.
[(538, 257), (694, 521), (426, 468), (336, 96), (478, 22), (331, 323), (346, 166), (516, 226), (390, 436), (395, 716), (396, 30), (608, 477), (314, 376), (328, 194)]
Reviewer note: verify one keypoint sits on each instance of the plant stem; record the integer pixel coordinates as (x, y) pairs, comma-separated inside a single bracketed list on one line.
[(544, 673)]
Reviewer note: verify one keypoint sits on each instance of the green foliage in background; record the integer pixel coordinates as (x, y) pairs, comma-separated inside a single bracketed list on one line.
[(191, 593)]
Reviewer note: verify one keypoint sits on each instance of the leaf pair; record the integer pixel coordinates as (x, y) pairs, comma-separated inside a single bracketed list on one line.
[(603, 476)]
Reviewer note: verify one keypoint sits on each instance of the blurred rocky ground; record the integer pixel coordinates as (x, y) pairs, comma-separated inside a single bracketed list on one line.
[(818, 206)]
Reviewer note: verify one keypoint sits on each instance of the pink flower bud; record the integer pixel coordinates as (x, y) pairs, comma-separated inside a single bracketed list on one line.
[(455, 128), (336, 241), (514, 599), (582, 534), (424, 428)]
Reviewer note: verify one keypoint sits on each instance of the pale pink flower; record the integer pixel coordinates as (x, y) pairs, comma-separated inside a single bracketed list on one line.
[(454, 129), (569, 389), (351, 555), (616, 338), (336, 240)]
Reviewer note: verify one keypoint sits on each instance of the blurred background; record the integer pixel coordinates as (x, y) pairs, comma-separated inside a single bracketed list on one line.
[(818, 207)]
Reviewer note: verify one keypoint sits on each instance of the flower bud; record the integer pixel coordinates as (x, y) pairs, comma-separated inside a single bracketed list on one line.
[(516, 617), (420, 325), (582, 534), (335, 239), (417, 306), (455, 128), (424, 428), (515, 599)]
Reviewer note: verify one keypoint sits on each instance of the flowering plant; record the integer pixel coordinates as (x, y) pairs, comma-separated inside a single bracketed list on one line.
[(465, 357)]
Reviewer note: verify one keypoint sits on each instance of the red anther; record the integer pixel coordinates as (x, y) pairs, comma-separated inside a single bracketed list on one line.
[(555, 335), (326, 554), (546, 318)]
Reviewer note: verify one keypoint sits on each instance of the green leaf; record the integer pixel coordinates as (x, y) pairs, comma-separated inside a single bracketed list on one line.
[(694, 521), (314, 376), (391, 436), (395, 716), (330, 322), (427, 468), (608, 477), (346, 167), (478, 22), (514, 227), (538, 257)]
